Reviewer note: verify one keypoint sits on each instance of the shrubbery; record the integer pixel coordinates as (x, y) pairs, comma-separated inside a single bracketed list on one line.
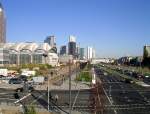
[(84, 76), (30, 110)]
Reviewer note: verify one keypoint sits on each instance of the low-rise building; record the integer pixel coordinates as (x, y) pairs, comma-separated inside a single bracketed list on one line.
[(125, 60), (64, 59), (102, 60), (27, 53)]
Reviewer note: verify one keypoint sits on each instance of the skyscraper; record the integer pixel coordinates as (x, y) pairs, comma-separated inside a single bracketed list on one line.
[(78, 51), (2, 25), (63, 50), (72, 38), (89, 53), (51, 41), (81, 53), (93, 53), (72, 46)]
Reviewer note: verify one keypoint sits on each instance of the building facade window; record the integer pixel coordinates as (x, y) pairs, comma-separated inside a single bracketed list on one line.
[(37, 58), (13, 59), (25, 57)]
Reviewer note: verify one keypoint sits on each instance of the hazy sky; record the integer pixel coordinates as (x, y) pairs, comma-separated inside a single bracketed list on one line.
[(114, 27)]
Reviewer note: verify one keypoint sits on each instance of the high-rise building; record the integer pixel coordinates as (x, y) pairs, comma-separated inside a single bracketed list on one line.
[(63, 50), (93, 53), (81, 53), (2, 25), (72, 38), (72, 46), (51, 41), (77, 51), (89, 53)]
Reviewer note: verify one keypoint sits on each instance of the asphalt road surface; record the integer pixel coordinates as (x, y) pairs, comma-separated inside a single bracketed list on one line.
[(124, 98)]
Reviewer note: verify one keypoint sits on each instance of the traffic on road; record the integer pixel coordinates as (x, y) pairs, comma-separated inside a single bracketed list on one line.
[(124, 97)]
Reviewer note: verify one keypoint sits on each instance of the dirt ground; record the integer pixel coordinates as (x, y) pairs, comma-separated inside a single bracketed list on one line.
[(2, 111)]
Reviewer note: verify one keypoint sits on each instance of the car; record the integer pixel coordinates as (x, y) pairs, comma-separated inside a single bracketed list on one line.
[(128, 81), (23, 78), (30, 88), (25, 88), (1, 76), (135, 74), (45, 78), (15, 81), (16, 95), (19, 90), (147, 76)]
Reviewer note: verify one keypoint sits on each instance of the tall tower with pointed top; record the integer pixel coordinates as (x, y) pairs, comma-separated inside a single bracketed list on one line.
[(2, 25)]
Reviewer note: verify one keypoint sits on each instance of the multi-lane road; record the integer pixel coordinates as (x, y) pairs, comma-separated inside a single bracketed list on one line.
[(124, 98)]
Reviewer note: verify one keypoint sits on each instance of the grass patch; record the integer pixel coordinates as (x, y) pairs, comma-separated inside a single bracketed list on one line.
[(84, 76)]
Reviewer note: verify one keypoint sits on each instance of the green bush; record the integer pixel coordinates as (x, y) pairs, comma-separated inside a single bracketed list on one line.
[(84, 76), (41, 66), (30, 110)]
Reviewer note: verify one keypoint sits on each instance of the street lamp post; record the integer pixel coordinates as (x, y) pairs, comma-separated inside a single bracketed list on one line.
[(48, 93), (76, 69), (51, 74), (45, 55), (69, 86)]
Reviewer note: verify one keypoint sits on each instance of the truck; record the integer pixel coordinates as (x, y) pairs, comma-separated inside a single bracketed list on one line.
[(3, 72), (28, 73), (38, 80)]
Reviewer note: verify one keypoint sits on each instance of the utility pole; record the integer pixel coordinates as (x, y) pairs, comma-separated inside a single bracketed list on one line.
[(141, 67), (76, 69), (51, 74), (48, 93), (46, 55), (69, 86)]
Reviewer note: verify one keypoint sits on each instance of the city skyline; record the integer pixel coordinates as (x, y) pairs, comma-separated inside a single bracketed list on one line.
[(113, 28)]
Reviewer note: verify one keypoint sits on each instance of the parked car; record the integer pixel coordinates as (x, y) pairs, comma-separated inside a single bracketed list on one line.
[(135, 74), (23, 78), (38, 80), (1, 76), (27, 88), (15, 81), (128, 81)]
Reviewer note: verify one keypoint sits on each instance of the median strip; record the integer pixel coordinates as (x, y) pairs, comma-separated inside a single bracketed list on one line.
[(140, 83)]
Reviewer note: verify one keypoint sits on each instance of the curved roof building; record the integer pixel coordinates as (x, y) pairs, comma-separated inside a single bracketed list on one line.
[(29, 47), (30, 52), (17, 47), (44, 47)]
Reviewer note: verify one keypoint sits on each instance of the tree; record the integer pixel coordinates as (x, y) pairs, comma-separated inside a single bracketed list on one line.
[(133, 61), (145, 53)]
